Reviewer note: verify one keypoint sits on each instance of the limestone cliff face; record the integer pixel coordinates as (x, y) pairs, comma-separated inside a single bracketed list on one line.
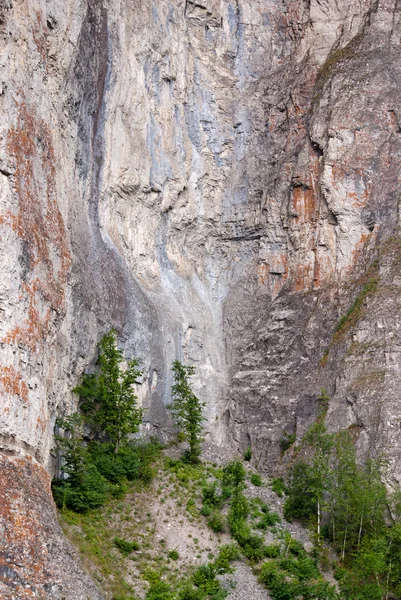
[(213, 179)]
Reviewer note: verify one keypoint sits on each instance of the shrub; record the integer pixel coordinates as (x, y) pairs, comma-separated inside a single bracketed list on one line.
[(227, 554), (234, 474), (205, 578), (173, 554), (81, 492), (287, 440), (256, 480), (278, 486), (210, 495), (159, 590), (239, 509), (191, 593), (125, 547), (248, 454), (206, 510), (272, 551), (116, 467), (216, 521)]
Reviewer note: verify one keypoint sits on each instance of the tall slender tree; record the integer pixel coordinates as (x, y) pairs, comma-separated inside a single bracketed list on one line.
[(187, 409), (108, 397)]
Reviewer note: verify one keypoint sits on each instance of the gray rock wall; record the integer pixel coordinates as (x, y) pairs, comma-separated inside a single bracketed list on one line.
[(214, 180)]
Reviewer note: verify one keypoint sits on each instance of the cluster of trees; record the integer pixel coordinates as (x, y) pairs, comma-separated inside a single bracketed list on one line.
[(347, 504), (97, 445)]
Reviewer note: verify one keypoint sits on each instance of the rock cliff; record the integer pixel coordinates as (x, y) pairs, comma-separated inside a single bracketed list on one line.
[(219, 181)]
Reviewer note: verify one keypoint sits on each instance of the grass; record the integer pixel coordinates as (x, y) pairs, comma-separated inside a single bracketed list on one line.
[(369, 283), (119, 541)]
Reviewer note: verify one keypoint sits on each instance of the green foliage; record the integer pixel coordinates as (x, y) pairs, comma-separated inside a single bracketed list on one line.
[(324, 400), (107, 397), (216, 521), (353, 313), (294, 577), (227, 554), (160, 590), (287, 440), (85, 488), (205, 577), (173, 554), (99, 468), (256, 480), (263, 515), (96, 471), (301, 501), (211, 496), (187, 409), (278, 486), (272, 551), (190, 593), (234, 474), (248, 454), (351, 501), (126, 547), (83, 491)]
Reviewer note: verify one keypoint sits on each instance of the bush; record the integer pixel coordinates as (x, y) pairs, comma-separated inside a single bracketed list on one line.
[(268, 519), (248, 454), (206, 510), (205, 578), (191, 593), (83, 492), (173, 554), (287, 440), (211, 496), (256, 480), (227, 554), (278, 486), (216, 521), (116, 467), (125, 547), (234, 474), (239, 509), (272, 551), (159, 591)]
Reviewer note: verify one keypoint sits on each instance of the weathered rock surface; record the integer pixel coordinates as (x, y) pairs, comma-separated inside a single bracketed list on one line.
[(213, 179)]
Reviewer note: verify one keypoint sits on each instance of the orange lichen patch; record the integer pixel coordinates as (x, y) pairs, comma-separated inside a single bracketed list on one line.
[(40, 424), (303, 277), (36, 326), (26, 515), (13, 384), (304, 203), (39, 225), (263, 273)]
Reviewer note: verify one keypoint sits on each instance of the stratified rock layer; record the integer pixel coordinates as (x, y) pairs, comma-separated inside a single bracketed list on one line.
[(35, 560), (219, 181)]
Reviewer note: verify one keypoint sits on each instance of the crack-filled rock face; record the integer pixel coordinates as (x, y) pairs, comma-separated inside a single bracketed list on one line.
[(219, 181)]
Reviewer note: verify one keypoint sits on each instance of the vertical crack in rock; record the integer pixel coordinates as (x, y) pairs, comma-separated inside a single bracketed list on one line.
[(104, 284)]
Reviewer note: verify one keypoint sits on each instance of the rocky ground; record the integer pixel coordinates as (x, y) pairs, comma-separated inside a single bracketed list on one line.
[(164, 518)]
